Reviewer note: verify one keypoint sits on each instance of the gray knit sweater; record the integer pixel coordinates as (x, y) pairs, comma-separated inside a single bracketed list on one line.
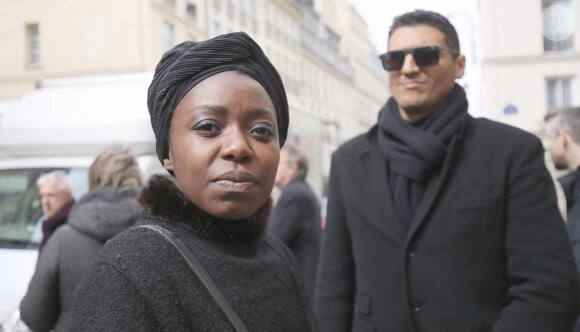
[(139, 282)]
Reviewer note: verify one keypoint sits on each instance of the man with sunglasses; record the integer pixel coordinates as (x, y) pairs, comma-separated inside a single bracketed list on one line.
[(437, 221)]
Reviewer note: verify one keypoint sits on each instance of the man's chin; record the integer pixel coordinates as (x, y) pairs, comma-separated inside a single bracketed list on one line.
[(560, 166), (415, 112)]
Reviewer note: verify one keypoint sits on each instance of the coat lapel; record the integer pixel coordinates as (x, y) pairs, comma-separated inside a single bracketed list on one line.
[(383, 217)]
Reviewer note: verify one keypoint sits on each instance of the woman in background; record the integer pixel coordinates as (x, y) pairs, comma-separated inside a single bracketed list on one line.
[(109, 207)]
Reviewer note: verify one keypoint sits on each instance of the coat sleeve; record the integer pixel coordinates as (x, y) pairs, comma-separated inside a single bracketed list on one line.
[(543, 289), (40, 307), (335, 282), (107, 301)]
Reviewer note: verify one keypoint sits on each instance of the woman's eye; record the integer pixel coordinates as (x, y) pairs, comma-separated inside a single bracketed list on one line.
[(263, 130), (207, 128)]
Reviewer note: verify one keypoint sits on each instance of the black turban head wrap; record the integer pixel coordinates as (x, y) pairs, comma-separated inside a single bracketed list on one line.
[(188, 63)]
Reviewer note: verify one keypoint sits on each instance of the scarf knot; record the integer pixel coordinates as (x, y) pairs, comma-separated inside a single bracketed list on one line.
[(416, 151)]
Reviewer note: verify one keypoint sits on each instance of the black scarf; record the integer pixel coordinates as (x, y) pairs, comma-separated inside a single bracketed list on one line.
[(162, 198), (50, 224), (416, 151)]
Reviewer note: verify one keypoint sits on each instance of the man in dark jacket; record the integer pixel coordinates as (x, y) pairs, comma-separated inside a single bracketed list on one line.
[(564, 135), (56, 199), (438, 221), (296, 217)]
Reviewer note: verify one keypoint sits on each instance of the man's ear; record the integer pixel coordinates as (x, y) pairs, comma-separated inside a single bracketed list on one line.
[(460, 66), (566, 139), (294, 169)]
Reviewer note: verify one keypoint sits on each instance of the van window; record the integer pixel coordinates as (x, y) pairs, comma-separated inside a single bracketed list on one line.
[(20, 209)]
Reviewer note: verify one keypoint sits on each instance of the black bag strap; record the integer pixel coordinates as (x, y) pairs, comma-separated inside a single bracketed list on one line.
[(203, 276)]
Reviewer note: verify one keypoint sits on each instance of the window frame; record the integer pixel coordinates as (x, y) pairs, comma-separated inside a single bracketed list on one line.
[(559, 92)]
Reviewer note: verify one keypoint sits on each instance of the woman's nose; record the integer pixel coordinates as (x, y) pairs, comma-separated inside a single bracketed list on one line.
[(236, 145)]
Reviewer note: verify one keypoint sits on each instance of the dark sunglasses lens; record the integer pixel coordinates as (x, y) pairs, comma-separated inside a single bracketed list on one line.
[(426, 56), (393, 60)]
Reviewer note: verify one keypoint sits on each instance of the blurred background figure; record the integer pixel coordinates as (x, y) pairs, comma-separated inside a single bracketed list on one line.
[(108, 208), (564, 136), (56, 198), (296, 217)]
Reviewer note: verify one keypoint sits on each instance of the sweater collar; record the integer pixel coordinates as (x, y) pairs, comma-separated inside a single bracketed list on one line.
[(162, 198)]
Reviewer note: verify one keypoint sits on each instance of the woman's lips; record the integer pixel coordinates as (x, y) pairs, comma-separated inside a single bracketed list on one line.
[(235, 181)]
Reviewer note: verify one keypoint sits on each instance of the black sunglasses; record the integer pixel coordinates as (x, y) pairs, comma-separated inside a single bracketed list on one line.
[(426, 56)]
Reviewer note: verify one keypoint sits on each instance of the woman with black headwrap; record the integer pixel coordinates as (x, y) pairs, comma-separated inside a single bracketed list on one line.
[(220, 115)]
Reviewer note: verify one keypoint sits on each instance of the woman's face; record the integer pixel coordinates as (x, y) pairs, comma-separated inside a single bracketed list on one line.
[(223, 145)]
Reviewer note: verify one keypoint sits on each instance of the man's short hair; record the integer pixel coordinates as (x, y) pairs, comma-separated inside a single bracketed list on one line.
[(296, 157), (61, 178), (568, 120), (436, 20)]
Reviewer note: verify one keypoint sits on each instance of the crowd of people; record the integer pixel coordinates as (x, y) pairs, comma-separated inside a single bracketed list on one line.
[(436, 221)]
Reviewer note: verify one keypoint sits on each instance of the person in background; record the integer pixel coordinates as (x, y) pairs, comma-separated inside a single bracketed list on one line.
[(220, 115), (438, 221), (109, 207), (564, 137), (56, 199), (296, 216)]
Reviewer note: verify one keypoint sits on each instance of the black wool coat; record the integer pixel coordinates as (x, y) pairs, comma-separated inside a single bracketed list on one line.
[(487, 249), (571, 186), (295, 220)]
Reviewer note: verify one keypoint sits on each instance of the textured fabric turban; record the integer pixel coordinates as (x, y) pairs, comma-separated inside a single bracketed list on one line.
[(188, 63)]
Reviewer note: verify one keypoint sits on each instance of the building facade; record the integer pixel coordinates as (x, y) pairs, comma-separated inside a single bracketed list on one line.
[(531, 61), (64, 38), (333, 79)]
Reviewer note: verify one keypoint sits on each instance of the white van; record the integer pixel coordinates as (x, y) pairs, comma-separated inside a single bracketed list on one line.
[(60, 126)]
